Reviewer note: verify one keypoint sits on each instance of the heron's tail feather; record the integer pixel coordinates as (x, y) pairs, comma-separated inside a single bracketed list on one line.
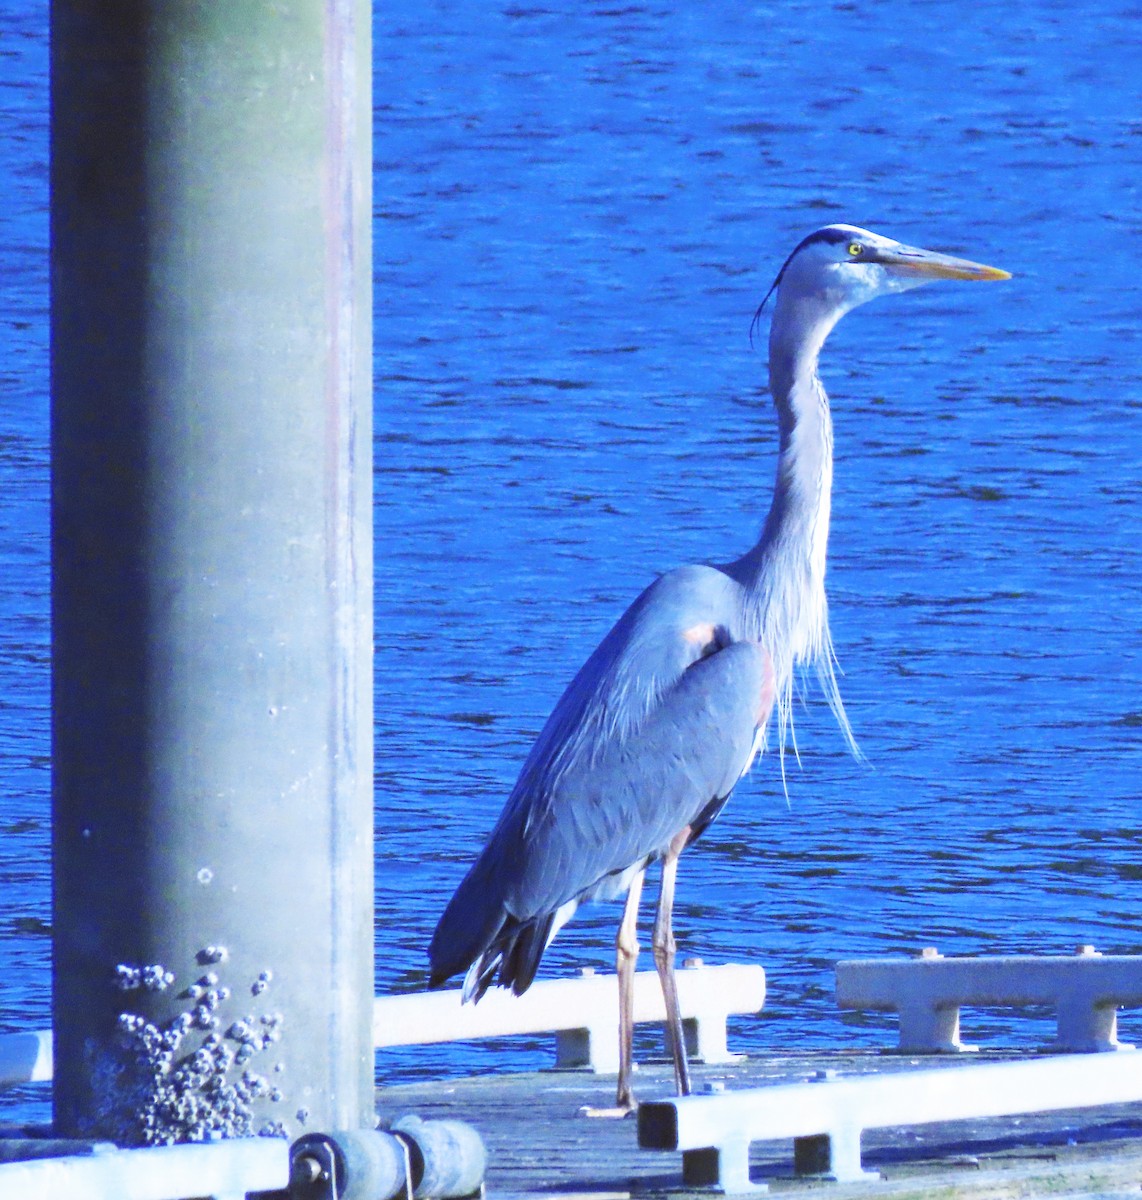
[(513, 956), (489, 947), (520, 959), (466, 930)]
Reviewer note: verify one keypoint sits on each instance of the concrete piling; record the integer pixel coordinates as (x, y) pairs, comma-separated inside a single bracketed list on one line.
[(212, 568)]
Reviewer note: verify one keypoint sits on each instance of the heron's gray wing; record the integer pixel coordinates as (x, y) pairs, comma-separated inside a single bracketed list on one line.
[(628, 799), (658, 723)]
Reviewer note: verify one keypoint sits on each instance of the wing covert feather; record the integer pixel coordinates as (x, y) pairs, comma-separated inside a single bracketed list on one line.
[(628, 801)]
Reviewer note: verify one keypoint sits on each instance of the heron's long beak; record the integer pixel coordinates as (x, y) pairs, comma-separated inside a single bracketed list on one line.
[(911, 261)]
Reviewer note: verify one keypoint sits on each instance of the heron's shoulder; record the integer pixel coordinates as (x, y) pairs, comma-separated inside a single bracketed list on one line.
[(671, 625), (696, 592), (668, 626)]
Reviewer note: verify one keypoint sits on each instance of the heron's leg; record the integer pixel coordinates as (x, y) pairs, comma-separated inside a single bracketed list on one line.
[(626, 955), (664, 950)]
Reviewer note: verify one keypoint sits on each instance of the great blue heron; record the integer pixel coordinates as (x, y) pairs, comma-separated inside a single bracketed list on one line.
[(646, 745)]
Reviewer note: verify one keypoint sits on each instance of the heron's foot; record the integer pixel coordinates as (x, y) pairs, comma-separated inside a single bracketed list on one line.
[(618, 1112)]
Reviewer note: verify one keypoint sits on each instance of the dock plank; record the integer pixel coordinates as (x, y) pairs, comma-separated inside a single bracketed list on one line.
[(539, 1144)]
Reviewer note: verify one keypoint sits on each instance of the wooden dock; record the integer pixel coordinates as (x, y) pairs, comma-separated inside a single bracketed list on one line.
[(539, 1144)]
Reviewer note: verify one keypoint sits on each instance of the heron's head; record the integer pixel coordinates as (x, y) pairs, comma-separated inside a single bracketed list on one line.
[(842, 266)]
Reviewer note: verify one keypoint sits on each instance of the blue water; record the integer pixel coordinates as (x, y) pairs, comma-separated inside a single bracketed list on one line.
[(577, 211)]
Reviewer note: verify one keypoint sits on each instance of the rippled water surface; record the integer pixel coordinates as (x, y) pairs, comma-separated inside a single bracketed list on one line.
[(577, 211)]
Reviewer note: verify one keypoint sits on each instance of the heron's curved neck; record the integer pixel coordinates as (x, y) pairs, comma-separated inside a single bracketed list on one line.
[(784, 573)]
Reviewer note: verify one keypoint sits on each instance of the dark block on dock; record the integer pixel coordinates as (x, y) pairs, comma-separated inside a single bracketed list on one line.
[(657, 1126), (813, 1155)]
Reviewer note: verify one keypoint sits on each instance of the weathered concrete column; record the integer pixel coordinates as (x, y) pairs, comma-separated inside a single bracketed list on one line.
[(212, 566)]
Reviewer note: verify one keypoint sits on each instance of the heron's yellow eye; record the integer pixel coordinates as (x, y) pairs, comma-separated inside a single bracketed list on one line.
[(856, 249)]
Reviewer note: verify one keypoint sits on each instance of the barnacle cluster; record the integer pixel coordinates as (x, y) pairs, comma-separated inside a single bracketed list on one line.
[(191, 1080)]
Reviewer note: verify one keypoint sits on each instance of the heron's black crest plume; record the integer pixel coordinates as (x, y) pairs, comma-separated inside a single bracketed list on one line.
[(829, 234), (757, 315)]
